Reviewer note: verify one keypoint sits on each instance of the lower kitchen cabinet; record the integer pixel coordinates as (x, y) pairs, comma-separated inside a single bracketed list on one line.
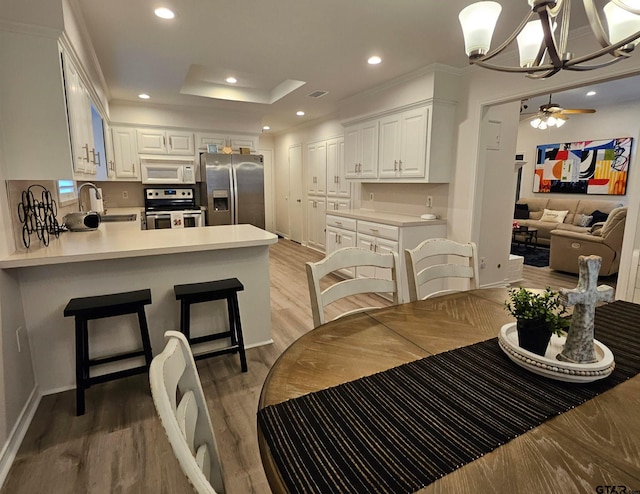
[(395, 235), (316, 207)]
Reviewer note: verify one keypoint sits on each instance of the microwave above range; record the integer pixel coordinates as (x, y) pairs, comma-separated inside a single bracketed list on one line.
[(168, 171)]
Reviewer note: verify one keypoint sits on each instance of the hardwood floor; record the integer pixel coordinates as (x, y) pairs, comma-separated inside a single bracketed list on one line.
[(119, 444)]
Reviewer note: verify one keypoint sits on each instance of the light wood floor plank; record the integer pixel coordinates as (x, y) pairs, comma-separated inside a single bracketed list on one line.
[(119, 446)]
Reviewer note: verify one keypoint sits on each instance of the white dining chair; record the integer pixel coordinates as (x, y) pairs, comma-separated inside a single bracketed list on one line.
[(421, 268), (181, 405), (384, 281)]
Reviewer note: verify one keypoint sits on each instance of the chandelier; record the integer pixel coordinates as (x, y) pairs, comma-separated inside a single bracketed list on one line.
[(542, 35)]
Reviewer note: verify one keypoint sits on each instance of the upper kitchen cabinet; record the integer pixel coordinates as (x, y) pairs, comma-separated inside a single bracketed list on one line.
[(235, 142), (414, 144), (125, 153), (36, 144), (361, 150), (157, 141)]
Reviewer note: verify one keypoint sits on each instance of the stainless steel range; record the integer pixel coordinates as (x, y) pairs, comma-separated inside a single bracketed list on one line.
[(172, 207)]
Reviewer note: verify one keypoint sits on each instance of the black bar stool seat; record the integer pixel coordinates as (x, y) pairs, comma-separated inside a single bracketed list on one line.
[(85, 309), (195, 293)]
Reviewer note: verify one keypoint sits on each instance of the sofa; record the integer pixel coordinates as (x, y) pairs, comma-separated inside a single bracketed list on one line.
[(603, 239), (530, 212)]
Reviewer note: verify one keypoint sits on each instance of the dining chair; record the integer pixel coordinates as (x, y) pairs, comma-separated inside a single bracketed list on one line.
[(420, 271), (181, 405), (385, 266)]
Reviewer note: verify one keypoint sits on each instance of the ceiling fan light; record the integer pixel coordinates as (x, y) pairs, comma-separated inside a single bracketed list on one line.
[(478, 22), (621, 22), (560, 122), (529, 41), (536, 122), (551, 121), (542, 126)]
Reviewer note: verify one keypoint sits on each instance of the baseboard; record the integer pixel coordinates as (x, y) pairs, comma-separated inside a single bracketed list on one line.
[(11, 447), (260, 343)]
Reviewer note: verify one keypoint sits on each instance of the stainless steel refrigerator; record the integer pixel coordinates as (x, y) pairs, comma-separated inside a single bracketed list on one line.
[(233, 188)]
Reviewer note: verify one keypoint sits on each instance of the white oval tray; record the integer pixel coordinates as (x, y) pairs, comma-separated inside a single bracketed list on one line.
[(548, 365)]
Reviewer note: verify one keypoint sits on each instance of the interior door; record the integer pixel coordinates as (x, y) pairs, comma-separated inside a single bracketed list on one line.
[(295, 193)]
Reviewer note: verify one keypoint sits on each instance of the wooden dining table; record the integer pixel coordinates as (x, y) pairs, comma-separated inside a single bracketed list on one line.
[(587, 449)]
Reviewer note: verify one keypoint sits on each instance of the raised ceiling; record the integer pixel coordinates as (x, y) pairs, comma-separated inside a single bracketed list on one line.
[(279, 50)]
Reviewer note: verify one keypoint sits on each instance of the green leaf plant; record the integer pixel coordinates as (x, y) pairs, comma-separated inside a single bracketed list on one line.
[(546, 308)]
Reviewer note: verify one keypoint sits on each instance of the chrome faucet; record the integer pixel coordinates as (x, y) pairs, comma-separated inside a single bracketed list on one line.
[(89, 184)]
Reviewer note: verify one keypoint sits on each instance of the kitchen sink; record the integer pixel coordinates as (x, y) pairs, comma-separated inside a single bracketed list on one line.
[(118, 217)]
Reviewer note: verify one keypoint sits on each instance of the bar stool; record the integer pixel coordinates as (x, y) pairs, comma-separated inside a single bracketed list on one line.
[(87, 308), (194, 293)]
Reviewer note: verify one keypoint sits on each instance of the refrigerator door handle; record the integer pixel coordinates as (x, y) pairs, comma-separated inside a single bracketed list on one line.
[(234, 194)]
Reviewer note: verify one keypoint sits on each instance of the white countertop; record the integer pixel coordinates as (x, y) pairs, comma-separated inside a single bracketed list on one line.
[(117, 240), (385, 218)]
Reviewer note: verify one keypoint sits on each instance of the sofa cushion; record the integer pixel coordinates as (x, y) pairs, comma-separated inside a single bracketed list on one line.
[(521, 212), (536, 206), (580, 219), (569, 205), (553, 216), (617, 216), (572, 228)]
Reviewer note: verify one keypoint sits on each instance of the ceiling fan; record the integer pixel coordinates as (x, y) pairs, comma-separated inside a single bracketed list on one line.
[(551, 114)]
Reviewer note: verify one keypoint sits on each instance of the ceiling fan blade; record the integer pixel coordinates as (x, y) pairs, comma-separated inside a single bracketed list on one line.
[(568, 111)]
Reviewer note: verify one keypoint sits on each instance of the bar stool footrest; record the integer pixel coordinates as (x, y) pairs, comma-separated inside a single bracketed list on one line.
[(115, 358), (209, 337), (103, 378)]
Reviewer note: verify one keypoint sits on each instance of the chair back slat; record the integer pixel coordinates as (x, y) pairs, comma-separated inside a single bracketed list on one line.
[(350, 257), (431, 260)]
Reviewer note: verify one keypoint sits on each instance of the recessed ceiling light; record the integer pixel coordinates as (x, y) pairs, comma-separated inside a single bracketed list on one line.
[(164, 13), (591, 93), (231, 80), (300, 113), (266, 127), (374, 60), (144, 96)]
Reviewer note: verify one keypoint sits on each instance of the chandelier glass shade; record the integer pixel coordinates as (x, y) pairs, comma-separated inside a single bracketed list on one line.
[(542, 35)]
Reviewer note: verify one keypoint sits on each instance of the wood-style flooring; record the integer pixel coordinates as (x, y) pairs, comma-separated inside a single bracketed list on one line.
[(119, 446)]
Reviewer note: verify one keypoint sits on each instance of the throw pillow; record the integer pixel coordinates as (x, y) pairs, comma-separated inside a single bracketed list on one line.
[(598, 216), (582, 220), (521, 212), (552, 216)]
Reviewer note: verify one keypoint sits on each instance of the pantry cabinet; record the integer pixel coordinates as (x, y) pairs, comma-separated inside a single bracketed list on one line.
[(337, 185), (316, 207), (316, 169), (157, 141)]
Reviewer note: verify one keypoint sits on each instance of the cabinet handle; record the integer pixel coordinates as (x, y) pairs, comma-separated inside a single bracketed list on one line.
[(339, 223), (98, 160), (86, 151), (374, 230), (400, 165), (395, 165), (164, 141)]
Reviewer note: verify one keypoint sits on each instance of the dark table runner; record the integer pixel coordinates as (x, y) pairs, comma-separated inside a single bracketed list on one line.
[(401, 429)]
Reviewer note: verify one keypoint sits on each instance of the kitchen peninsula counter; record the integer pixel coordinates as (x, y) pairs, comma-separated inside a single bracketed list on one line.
[(119, 257), (394, 219), (118, 240)]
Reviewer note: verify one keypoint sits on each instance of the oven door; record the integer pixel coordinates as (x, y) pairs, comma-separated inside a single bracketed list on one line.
[(162, 220)]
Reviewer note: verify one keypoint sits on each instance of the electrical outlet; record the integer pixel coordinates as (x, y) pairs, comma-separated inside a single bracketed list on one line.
[(18, 331), (429, 201), (371, 196), (483, 263), (125, 194)]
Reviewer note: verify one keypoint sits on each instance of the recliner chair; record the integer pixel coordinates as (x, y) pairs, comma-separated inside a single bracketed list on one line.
[(604, 240)]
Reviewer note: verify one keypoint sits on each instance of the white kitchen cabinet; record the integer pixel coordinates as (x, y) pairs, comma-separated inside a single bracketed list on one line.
[(413, 144), (235, 142), (109, 155), (338, 204), (361, 150), (157, 141), (337, 185), (79, 120), (316, 223), (341, 233), (125, 153), (316, 169), (403, 143)]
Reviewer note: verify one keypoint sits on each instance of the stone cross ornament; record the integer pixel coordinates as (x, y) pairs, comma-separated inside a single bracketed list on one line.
[(579, 346)]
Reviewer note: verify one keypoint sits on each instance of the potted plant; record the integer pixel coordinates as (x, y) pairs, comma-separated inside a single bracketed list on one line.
[(538, 315)]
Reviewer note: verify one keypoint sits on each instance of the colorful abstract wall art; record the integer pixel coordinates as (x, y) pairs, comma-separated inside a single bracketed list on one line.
[(586, 167)]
